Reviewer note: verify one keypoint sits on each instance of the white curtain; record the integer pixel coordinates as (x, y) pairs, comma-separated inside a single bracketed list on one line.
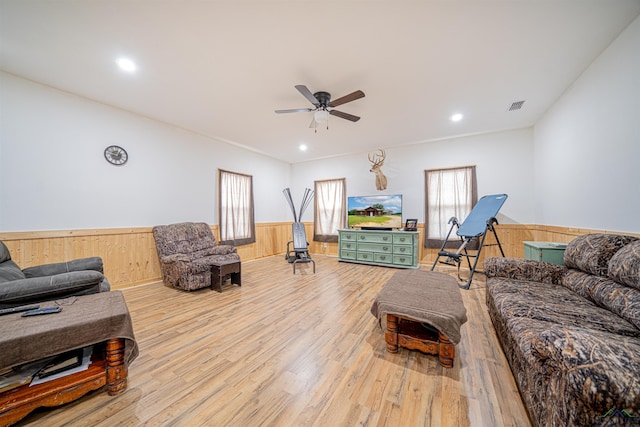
[(330, 213), (449, 193), (235, 208)]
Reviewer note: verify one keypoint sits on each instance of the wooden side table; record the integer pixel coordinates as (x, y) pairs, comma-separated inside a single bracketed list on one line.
[(222, 269), (107, 368), (99, 320)]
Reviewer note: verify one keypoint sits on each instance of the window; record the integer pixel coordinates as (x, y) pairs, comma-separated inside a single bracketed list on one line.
[(235, 208), (330, 213), (448, 193)]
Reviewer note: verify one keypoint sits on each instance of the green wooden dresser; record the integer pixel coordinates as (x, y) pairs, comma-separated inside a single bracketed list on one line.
[(384, 248), (545, 251)]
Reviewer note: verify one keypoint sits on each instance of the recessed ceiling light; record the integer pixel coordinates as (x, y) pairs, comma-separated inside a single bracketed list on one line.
[(126, 64), (456, 117), (303, 147)]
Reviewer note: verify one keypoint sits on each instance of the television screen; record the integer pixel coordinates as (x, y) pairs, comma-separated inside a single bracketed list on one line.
[(375, 212)]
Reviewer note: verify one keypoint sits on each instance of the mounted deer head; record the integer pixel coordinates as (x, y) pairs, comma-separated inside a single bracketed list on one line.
[(377, 160)]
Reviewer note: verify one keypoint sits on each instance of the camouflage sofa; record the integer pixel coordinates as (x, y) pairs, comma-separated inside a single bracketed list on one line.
[(571, 333)]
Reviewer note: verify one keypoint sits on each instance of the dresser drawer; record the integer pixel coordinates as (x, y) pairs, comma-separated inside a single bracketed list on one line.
[(348, 236), (347, 254), (347, 245), (403, 250), (375, 237), (403, 259), (365, 256), (375, 247), (399, 239), (384, 258)]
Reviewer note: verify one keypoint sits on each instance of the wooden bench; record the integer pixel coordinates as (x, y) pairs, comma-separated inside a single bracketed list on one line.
[(423, 311)]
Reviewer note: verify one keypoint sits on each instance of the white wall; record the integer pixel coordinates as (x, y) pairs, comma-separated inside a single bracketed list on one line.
[(587, 146), (502, 159), (53, 174), (583, 153)]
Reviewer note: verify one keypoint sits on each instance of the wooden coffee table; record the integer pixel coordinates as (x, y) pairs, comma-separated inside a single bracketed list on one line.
[(100, 320), (222, 269), (413, 335), (423, 311)]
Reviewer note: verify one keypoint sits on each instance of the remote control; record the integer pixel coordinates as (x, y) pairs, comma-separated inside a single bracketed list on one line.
[(18, 309), (45, 310)]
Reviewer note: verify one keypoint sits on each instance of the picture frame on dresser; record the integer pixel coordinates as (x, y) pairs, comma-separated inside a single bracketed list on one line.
[(411, 225)]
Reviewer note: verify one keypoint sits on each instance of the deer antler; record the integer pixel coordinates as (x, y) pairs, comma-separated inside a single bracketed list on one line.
[(377, 161)]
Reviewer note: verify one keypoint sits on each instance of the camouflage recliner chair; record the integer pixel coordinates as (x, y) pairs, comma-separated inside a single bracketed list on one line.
[(186, 252)]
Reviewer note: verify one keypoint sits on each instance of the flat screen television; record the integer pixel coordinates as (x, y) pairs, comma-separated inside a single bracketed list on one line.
[(379, 212)]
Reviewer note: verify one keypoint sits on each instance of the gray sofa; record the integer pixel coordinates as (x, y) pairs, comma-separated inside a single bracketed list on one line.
[(571, 333), (48, 282)]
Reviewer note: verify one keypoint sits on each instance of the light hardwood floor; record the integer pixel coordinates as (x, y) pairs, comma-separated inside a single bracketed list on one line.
[(295, 350)]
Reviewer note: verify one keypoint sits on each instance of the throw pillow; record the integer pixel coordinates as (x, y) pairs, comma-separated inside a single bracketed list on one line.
[(624, 266), (591, 252)]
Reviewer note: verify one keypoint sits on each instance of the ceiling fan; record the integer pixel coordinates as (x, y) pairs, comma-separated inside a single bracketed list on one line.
[(324, 106)]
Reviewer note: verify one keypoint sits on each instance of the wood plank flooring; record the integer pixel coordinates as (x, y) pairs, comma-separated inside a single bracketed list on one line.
[(295, 350)]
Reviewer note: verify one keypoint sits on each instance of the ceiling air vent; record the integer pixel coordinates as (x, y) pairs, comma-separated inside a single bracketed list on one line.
[(516, 106)]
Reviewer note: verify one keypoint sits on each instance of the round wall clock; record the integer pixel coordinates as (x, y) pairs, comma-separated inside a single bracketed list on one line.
[(116, 155)]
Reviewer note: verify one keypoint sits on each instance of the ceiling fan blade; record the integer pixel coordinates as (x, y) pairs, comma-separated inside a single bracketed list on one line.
[(347, 98), (307, 94), (295, 110), (345, 116)]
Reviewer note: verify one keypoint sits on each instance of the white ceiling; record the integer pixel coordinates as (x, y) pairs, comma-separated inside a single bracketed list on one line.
[(221, 68)]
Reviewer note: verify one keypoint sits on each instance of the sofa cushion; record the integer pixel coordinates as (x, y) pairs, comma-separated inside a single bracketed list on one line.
[(5, 255), (618, 298), (556, 305), (82, 264), (193, 239), (591, 253), (592, 370), (581, 283), (9, 271), (46, 288), (524, 269), (624, 266)]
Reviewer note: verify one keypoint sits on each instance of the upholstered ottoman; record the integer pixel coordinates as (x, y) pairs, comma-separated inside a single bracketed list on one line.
[(423, 311)]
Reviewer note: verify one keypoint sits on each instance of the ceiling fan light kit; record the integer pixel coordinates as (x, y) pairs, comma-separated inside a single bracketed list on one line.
[(324, 106), (321, 116)]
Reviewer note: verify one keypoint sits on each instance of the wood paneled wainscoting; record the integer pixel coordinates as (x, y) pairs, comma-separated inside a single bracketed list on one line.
[(129, 254), (512, 236), (130, 257)]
